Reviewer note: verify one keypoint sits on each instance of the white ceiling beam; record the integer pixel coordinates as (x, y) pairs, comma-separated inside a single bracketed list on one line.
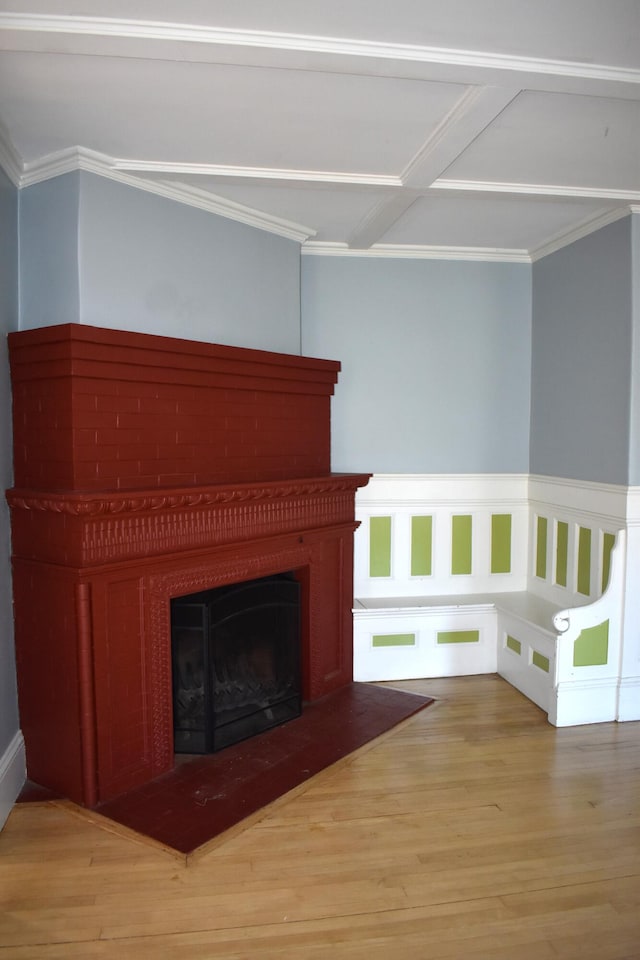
[(381, 218), (472, 114), (147, 39)]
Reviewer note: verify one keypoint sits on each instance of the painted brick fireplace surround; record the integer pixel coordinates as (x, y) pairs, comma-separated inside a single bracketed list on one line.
[(148, 468)]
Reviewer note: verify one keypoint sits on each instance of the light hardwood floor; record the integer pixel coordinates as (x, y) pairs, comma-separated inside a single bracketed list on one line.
[(475, 830)]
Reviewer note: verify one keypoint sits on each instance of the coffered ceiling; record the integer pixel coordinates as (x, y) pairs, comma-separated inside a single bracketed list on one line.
[(493, 129)]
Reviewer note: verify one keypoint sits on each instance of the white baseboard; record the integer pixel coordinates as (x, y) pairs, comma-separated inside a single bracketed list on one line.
[(13, 772), (629, 699), (588, 701)]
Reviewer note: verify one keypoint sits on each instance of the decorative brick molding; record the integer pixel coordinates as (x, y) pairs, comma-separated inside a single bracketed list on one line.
[(88, 530)]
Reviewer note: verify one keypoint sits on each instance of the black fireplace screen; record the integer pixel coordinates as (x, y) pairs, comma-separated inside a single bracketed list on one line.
[(236, 662)]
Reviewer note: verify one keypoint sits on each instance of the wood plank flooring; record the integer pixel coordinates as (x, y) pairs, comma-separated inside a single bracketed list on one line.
[(475, 830)]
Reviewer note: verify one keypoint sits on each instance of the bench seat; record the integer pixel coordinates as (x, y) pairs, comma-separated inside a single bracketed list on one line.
[(522, 604)]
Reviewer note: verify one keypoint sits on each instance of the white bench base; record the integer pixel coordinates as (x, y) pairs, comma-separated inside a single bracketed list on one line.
[(507, 633)]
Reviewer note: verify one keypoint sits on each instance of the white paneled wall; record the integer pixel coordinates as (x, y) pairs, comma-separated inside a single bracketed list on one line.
[(465, 574)]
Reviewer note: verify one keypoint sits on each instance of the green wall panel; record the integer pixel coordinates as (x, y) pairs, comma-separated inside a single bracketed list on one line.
[(584, 561), (501, 543), (608, 542), (380, 546), (591, 649), (562, 552), (421, 546), (461, 534), (538, 660), (459, 636), (394, 640), (514, 645), (541, 548)]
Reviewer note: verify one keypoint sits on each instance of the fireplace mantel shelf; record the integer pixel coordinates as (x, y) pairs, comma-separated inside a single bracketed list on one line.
[(90, 504)]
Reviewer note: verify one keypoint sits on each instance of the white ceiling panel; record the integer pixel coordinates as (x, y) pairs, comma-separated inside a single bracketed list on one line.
[(331, 209), (591, 31), (219, 114), (477, 221), (440, 125), (561, 139)]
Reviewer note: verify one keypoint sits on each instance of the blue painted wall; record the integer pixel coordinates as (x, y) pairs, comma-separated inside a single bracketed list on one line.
[(49, 279), (435, 362), (581, 358), (153, 265), (106, 254), (8, 322)]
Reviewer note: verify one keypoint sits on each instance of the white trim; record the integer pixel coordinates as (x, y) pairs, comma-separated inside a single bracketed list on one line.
[(410, 252), (448, 489), (579, 702), (633, 506), (629, 699), (257, 173), (537, 190), (605, 502), (13, 773), (577, 233), (9, 159), (80, 158), (190, 33)]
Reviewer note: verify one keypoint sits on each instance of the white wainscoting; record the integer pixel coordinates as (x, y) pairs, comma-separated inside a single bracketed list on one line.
[(438, 559)]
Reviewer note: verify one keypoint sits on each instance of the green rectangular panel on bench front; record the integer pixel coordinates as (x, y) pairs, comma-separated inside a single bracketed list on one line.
[(379, 546), (541, 548), (461, 544), (562, 552), (394, 640), (459, 636), (514, 644), (501, 543), (584, 561), (421, 546), (540, 661)]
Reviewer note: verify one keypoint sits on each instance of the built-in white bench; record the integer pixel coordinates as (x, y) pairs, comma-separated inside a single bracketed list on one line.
[(466, 575)]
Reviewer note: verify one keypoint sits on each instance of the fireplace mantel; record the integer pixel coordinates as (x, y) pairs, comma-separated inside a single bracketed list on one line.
[(146, 469)]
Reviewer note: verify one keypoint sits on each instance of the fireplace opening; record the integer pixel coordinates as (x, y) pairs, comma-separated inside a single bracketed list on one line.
[(236, 668)]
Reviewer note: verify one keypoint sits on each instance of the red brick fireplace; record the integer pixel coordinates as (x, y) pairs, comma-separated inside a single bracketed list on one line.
[(148, 468)]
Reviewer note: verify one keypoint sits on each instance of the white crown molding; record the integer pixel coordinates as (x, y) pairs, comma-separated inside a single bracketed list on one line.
[(9, 159), (577, 233), (91, 161), (537, 190), (319, 248), (256, 173), (300, 43)]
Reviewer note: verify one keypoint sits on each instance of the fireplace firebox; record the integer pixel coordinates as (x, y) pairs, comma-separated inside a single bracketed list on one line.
[(235, 654)]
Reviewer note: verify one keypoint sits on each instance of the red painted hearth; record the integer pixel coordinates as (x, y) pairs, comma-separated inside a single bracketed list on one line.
[(148, 468)]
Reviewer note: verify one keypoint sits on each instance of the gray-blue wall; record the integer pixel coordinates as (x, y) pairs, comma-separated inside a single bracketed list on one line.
[(8, 321), (581, 358), (435, 359), (49, 281), (153, 265), (102, 253)]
